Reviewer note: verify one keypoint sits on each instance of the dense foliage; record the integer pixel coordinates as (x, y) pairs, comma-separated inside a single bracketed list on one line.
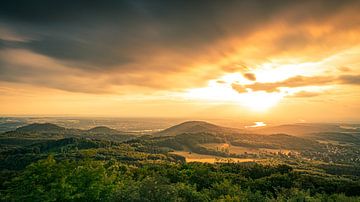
[(92, 180), (87, 167)]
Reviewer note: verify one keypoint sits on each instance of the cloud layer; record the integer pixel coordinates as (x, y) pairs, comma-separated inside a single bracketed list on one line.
[(104, 47)]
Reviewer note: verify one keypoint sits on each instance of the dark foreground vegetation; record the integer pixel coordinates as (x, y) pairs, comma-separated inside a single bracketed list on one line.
[(90, 170), (93, 180), (58, 166)]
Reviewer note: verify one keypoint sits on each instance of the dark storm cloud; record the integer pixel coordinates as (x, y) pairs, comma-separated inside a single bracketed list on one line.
[(103, 34), (140, 37), (108, 33), (10, 44), (18, 66), (93, 54)]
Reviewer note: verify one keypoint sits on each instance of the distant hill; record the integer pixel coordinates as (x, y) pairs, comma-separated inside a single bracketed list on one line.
[(106, 133), (53, 128), (191, 134), (197, 127), (52, 131), (303, 128), (41, 128)]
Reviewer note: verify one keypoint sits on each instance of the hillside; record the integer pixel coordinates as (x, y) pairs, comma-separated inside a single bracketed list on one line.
[(197, 127), (103, 130), (191, 135), (41, 127), (74, 148), (277, 141), (336, 138), (304, 128)]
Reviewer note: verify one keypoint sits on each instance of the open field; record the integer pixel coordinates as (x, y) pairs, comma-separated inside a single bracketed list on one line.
[(194, 157), (243, 150)]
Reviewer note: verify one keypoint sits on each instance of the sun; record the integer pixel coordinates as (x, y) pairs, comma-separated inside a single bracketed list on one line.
[(260, 101)]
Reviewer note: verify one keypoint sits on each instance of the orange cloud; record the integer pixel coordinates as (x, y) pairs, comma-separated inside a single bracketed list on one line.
[(299, 81), (250, 76), (305, 94)]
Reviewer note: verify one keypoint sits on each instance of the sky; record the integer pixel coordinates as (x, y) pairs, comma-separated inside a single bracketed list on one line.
[(269, 60)]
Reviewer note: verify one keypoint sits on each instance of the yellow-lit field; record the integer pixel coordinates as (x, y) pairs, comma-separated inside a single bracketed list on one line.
[(194, 157), (241, 150)]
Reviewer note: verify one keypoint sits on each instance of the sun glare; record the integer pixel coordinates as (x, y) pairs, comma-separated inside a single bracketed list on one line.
[(260, 101), (254, 101), (221, 90)]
